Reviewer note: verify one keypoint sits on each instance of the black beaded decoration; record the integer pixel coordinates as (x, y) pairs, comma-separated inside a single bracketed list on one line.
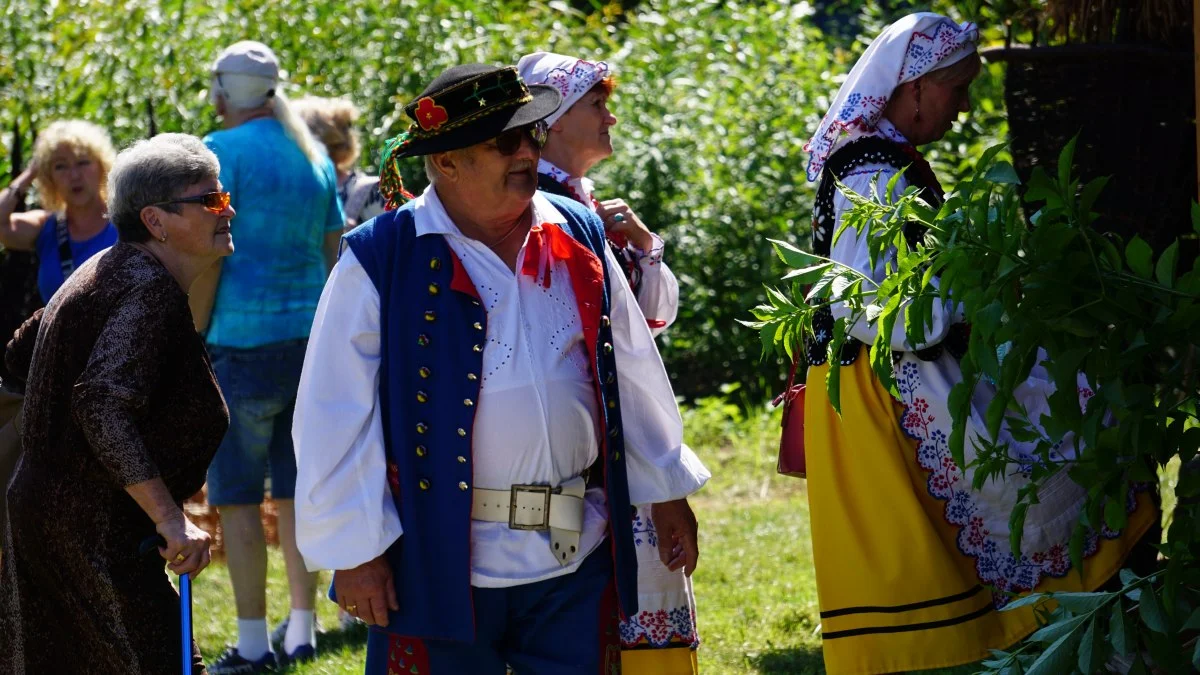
[(851, 157)]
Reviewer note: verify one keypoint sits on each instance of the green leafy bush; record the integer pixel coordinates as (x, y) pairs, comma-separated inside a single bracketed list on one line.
[(716, 101)]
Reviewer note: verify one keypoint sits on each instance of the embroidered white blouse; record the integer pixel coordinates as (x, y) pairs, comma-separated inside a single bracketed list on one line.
[(536, 419), (658, 295)]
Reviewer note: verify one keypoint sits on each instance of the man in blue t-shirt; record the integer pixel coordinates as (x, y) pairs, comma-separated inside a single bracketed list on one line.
[(288, 227)]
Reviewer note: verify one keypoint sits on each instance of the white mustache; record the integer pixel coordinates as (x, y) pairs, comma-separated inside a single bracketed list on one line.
[(522, 165)]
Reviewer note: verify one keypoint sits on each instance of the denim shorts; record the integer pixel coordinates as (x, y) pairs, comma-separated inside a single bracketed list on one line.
[(259, 385)]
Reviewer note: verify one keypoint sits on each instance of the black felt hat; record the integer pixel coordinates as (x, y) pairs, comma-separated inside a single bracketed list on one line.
[(471, 103)]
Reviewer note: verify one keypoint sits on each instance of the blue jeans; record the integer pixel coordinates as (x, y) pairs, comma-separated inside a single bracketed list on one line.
[(561, 626), (260, 389)]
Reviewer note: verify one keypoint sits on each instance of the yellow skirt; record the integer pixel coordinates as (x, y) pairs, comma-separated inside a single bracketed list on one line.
[(674, 661), (895, 592)]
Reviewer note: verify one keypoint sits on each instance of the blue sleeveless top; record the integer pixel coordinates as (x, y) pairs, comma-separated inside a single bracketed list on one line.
[(50, 274)]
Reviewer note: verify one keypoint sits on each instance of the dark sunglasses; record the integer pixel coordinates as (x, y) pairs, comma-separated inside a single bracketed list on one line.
[(212, 201), (510, 141)]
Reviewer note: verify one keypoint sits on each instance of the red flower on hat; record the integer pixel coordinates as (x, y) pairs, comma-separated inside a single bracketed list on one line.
[(430, 115)]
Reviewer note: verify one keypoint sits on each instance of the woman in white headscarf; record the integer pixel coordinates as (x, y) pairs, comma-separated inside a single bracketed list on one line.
[(912, 562), (580, 136), (661, 639)]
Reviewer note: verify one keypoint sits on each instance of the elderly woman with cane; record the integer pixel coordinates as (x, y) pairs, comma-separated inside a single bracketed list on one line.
[(122, 417)]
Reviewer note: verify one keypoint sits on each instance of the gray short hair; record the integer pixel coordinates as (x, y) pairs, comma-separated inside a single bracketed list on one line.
[(152, 171), (431, 171)]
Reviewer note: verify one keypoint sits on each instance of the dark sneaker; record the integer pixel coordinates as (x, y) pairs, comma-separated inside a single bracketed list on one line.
[(280, 631), (298, 655), (233, 663)]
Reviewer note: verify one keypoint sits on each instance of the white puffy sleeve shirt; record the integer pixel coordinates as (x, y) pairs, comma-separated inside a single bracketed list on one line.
[(658, 295), (534, 356), (344, 510)]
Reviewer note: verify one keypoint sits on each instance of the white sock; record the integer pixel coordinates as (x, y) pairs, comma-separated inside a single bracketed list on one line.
[(301, 630), (252, 638)]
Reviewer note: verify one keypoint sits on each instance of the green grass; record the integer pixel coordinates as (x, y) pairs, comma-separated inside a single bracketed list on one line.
[(214, 620), (755, 591), (755, 588)]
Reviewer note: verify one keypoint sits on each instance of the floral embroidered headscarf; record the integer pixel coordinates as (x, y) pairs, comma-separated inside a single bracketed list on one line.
[(571, 76), (913, 46)]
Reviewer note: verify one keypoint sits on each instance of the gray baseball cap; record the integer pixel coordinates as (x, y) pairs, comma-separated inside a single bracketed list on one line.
[(248, 58)]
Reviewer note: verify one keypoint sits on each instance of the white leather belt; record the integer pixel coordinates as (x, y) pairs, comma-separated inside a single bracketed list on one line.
[(537, 507)]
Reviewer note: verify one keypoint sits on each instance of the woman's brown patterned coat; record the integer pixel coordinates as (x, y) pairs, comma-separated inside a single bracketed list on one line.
[(119, 391)]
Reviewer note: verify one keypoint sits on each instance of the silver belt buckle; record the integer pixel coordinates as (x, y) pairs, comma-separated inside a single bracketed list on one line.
[(543, 490)]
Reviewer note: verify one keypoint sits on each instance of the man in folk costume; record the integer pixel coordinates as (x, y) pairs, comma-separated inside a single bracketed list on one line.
[(499, 405), (912, 559), (662, 637)]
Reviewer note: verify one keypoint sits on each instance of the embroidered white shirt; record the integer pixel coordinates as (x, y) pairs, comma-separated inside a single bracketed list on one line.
[(536, 419)]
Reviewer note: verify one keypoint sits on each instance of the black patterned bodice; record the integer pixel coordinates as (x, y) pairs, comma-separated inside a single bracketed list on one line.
[(870, 151)]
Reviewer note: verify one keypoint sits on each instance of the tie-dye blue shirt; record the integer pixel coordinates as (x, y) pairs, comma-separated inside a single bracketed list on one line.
[(285, 206)]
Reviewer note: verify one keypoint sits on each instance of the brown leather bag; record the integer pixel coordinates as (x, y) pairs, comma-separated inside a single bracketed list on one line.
[(791, 441)]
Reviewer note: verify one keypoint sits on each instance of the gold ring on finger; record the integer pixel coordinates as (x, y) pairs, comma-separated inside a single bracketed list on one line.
[(351, 608)]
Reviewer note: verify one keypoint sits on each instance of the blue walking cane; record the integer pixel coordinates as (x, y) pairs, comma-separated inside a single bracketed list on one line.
[(185, 601)]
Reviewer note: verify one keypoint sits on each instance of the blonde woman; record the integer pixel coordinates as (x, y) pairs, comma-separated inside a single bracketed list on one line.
[(332, 120), (71, 160)]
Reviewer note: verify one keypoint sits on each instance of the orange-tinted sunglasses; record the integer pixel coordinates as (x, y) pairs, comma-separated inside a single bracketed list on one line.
[(212, 201)]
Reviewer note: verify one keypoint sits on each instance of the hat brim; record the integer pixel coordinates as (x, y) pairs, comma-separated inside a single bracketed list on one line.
[(546, 100)]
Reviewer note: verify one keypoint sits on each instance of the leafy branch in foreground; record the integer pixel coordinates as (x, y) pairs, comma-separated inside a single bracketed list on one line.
[(1039, 284)]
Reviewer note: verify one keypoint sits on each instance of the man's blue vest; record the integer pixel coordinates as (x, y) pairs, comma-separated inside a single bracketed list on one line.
[(433, 331)]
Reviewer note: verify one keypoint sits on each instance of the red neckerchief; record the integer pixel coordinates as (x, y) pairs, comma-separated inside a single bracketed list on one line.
[(546, 243)]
